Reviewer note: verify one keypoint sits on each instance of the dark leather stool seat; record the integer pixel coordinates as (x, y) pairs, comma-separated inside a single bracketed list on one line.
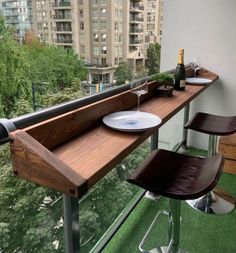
[(178, 177), (215, 202), (212, 124)]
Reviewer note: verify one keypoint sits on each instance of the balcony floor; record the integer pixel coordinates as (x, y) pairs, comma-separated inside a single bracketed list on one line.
[(200, 233)]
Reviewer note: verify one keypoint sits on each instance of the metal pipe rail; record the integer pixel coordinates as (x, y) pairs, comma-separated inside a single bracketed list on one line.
[(9, 125)]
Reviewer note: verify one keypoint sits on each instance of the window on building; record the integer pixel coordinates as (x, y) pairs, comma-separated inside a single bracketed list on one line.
[(81, 2), (103, 12), (120, 51), (103, 2), (104, 50), (81, 13), (38, 6), (116, 26), (95, 60), (81, 38), (44, 15), (120, 13), (116, 61), (106, 78), (150, 26), (95, 2), (39, 26), (120, 26), (104, 37), (95, 26), (81, 25), (104, 61), (116, 51), (116, 13), (96, 37), (39, 16), (95, 13), (103, 25), (82, 49), (95, 50)]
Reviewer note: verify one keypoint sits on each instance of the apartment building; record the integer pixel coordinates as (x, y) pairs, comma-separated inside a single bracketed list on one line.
[(102, 32), (17, 14)]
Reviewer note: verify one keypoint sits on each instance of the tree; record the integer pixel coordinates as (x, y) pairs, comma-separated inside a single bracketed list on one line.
[(153, 58), (13, 65), (123, 73), (56, 66)]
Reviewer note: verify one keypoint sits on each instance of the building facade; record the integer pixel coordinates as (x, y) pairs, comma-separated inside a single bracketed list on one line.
[(17, 14), (102, 32)]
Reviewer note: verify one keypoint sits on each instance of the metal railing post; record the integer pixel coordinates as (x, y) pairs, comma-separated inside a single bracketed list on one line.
[(185, 131), (154, 140), (71, 224)]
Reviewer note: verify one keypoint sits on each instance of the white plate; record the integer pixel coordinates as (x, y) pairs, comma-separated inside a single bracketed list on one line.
[(198, 80), (131, 121)]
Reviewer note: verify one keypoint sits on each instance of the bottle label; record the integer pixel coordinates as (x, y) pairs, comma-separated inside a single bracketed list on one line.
[(182, 83)]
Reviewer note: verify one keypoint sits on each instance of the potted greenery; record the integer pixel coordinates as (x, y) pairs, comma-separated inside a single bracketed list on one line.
[(166, 82)]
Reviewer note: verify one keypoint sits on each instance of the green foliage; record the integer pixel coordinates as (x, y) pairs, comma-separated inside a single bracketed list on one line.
[(13, 66), (162, 77), (153, 58), (57, 67), (123, 73)]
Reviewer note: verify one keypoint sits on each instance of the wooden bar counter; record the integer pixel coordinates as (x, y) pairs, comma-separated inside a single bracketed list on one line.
[(71, 152)]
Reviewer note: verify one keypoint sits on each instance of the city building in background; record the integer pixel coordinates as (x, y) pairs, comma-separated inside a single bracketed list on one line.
[(17, 14), (102, 32)]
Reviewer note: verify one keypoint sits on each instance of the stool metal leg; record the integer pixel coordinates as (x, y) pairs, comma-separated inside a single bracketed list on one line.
[(174, 230), (216, 201)]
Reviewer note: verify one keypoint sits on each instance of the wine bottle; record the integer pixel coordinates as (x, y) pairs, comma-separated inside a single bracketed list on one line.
[(180, 72)]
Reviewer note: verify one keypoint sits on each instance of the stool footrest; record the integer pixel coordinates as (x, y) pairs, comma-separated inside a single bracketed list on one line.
[(163, 249), (150, 228)]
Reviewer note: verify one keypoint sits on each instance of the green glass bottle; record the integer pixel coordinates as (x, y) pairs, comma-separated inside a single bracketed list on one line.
[(180, 72)]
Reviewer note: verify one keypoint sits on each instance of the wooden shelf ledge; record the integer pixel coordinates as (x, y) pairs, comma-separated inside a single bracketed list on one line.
[(71, 152)]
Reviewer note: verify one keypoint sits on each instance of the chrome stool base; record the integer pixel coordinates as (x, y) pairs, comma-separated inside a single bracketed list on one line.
[(215, 202), (163, 249)]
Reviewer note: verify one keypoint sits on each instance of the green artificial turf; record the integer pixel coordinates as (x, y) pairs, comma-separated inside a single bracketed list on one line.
[(200, 233)]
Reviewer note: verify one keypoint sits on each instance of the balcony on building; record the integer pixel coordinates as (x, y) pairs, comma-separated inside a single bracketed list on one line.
[(59, 4), (135, 28), (136, 7), (62, 15), (136, 18)]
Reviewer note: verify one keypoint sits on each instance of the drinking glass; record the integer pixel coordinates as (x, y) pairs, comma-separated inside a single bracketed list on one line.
[(139, 86), (196, 65)]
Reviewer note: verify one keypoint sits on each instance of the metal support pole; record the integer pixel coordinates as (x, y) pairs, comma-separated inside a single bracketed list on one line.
[(71, 224), (212, 145), (154, 140), (185, 131), (33, 97), (175, 227)]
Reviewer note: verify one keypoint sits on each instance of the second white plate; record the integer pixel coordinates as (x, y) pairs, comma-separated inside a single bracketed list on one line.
[(131, 121), (198, 80)]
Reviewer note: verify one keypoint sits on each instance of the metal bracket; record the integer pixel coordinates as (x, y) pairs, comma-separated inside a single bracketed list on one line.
[(6, 126)]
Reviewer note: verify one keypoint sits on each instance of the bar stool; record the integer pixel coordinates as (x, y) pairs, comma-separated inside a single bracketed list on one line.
[(215, 202), (178, 177)]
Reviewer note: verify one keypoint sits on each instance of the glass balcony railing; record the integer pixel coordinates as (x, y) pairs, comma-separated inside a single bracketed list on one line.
[(136, 7), (136, 19), (136, 30), (61, 4), (62, 16), (63, 40)]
